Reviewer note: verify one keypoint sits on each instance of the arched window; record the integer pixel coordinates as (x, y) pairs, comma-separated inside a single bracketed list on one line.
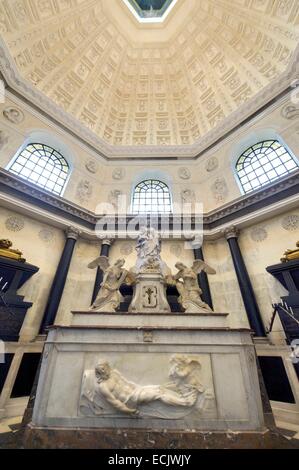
[(43, 166), (263, 163), (151, 197)]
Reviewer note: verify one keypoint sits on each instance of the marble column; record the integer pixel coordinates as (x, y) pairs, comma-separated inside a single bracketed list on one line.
[(248, 296), (72, 235), (203, 280), (105, 250)]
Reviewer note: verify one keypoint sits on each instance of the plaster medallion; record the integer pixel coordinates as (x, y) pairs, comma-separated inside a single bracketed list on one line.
[(290, 111), (92, 166), (46, 235), (118, 174), (212, 164), (290, 222), (14, 224), (14, 115), (184, 173), (259, 234)]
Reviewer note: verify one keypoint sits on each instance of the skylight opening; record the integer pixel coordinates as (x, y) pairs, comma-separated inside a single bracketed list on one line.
[(150, 11)]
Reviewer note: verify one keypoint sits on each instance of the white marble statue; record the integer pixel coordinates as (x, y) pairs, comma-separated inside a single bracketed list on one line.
[(106, 392), (186, 283), (149, 252), (150, 275), (109, 296), (148, 247)]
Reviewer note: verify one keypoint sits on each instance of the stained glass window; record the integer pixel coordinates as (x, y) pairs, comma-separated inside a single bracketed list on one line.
[(263, 163), (151, 197), (43, 166)]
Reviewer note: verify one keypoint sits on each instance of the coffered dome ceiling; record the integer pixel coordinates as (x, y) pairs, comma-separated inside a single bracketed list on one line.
[(134, 84)]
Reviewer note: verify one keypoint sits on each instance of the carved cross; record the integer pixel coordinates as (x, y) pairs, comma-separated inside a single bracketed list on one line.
[(149, 292)]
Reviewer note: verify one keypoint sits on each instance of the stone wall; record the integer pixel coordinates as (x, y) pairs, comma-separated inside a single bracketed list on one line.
[(94, 180), (41, 245)]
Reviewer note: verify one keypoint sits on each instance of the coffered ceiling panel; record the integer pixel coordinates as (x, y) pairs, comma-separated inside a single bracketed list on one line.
[(150, 85)]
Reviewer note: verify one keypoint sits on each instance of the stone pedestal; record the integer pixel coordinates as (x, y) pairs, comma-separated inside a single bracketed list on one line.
[(149, 294), (179, 372)]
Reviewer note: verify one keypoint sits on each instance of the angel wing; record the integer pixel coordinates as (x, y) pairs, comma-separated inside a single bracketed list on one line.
[(101, 262), (199, 265), (130, 277)]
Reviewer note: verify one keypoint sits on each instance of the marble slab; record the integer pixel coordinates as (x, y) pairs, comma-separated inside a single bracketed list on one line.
[(178, 378)]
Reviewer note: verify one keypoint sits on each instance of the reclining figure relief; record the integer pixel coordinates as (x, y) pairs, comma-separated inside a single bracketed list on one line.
[(106, 392)]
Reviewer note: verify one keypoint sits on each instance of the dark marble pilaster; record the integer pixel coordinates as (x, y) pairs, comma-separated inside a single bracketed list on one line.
[(248, 296), (203, 280), (59, 281), (105, 251)]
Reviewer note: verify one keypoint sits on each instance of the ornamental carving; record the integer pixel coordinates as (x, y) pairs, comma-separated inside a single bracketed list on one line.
[(290, 223), (220, 190), (212, 164), (113, 197), (259, 234), (14, 224), (92, 166), (84, 191), (118, 174), (46, 235), (188, 196), (290, 111), (184, 173), (14, 115), (120, 92), (107, 391)]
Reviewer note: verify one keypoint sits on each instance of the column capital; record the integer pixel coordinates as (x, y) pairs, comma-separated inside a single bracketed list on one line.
[(108, 241), (231, 232), (72, 232), (197, 243)]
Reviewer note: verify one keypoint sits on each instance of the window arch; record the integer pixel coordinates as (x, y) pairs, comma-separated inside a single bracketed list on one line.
[(42, 165), (263, 163), (151, 197)]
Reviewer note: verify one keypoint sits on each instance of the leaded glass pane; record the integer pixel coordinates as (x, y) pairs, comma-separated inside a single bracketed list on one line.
[(42, 165), (151, 197), (263, 163)]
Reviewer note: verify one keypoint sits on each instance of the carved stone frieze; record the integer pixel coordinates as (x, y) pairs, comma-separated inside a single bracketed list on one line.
[(107, 392)]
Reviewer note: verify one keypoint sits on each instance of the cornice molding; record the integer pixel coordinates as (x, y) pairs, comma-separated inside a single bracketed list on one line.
[(69, 212), (256, 104)]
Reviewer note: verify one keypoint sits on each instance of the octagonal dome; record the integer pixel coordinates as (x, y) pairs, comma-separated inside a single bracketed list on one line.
[(128, 86)]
